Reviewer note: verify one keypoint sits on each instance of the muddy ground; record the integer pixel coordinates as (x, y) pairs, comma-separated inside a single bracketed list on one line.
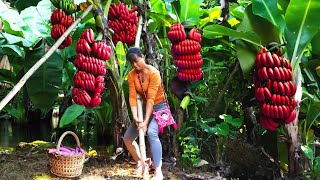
[(32, 163)]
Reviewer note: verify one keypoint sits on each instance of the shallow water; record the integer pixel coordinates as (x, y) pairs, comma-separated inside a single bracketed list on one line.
[(12, 133)]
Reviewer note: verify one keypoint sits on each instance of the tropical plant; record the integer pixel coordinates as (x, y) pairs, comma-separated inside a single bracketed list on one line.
[(229, 46)]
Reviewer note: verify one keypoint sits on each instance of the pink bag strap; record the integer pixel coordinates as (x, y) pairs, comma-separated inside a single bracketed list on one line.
[(165, 95)]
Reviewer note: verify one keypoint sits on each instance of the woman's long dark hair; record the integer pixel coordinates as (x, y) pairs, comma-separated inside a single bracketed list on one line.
[(133, 52)]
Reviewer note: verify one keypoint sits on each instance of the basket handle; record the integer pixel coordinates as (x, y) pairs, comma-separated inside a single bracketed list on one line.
[(63, 135)]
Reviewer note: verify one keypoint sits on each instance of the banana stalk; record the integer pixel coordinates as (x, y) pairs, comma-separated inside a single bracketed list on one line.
[(34, 68)]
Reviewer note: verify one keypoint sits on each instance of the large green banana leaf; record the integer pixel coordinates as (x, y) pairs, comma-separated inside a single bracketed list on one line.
[(42, 86)]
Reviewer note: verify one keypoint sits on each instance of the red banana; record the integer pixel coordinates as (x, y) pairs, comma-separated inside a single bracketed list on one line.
[(291, 117), (269, 59)]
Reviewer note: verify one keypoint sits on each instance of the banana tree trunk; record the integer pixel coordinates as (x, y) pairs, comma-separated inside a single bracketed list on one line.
[(294, 153), (120, 115), (180, 115)]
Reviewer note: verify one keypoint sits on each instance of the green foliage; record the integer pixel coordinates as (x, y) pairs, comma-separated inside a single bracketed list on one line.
[(266, 31), (246, 56), (237, 11), (15, 111), (268, 9), (214, 31), (313, 159), (12, 50), (7, 75), (121, 56), (37, 17), (44, 83), (223, 128), (282, 6), (236, 122), (310, 103), (103, 117), (315, 42), (26, 28), (194, 138), (191, 151), (160, 15), (21, 4), (307, 151), (6, 150), (316, 167), (67, 75), (212, 14), (71, 114), (301, 26), (189, 11), (313, 113), (24, 31)]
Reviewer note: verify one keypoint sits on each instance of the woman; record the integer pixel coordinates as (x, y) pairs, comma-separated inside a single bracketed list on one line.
[(154, 99)]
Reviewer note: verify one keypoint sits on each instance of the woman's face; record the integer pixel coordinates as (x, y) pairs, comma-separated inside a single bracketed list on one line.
[(138, 63)]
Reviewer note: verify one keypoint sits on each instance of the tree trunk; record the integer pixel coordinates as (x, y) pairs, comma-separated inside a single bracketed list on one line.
[(151, 55), (179, 120), (294, 159), (250, 122), (121, 119), (293, 148)]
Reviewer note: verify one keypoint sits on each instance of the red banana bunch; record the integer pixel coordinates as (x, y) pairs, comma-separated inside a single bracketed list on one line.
[(90, 65), (84, 80), (177, 33), (81, 97), (186, 52), (90, 62), (88, 35), (60, 22), (123, 22), (195, 35), (83, 47), (186, 47), (274, 89), (101, 50), (56, 16), (57, 31)]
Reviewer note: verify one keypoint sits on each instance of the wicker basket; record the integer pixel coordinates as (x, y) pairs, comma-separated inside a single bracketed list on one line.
[(66, 166)]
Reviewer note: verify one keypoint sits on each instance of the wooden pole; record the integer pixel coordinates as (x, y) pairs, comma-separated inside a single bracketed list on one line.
[(142, 144), (35, 67)]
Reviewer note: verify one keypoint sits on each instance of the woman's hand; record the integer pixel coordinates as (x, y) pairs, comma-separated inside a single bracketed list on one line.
[(144, 126), (137, 121)]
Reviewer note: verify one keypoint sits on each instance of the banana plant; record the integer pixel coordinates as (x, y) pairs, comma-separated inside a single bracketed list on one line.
[(294, 24), (21, 41)]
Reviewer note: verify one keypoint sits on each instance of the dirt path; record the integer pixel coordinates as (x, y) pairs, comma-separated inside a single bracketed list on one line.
[(33, 164)]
